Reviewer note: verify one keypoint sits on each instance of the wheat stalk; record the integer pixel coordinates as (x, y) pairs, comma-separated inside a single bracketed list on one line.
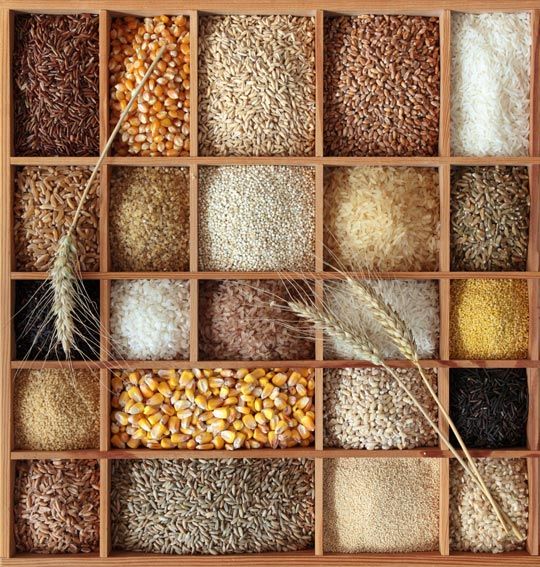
[(360, 344), (401, 336), (63, 273)]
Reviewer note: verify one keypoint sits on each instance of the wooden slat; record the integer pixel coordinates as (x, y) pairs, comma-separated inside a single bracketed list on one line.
[(6, 470), (104, 186), (193, 82), (444, 196), (534, 135), (533, 471), (319, 82), (319, 507), (194, 324), (104, 508), (445, 50), (444, 313), (104, 26), (193, 220), (444, 508)]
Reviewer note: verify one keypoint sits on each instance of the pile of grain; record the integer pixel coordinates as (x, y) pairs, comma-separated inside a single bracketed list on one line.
[(44, 205), (417, 302), (381, 505), (364, 408), (382, 218), (238, 322), (381, 86), (257, 85), (149, 219), (150, 319), (491, 58), (194, 507), (257, 218), (473, 523), (56, 410), (56, 506), (34, 325), (489, 319), (56, 85), (490, 218), (490, 406), (158, 125)]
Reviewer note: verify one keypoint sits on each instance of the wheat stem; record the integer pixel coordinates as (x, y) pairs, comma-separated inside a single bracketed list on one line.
[(400, 334)]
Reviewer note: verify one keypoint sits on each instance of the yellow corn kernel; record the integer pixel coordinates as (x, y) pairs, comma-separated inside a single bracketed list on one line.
[(215, 382), (231, 401), (164, 389), (301, 390), (182, 405), (156, 400), (153, 444), (218, 442), (260, 418), (239, 440), (152, 383), (135, 394), (117, 384), (249, 421), (268, 413), (167, 409), (136, 408), (259, 436), (166, 443), (253, 444), (185, 378), (117, 442), (145, 390), (150, 410), (219, 425), (280, 403), (133, 443), (228, 436), (200, 400), (144, 424), (281, 427), (133, 377), (190, 394), (303, 402), (273, 440), (279, 379), (177, 438), (247, 398), (294, 378), (202, 385), (238, 424), (121, 417), (246, 388), (203, 438), (174, 424), (155, 418), (242, 409), (158, 431), (173, 381), (205, 416), (308, 423), (139, 434), (213, 403), (258, 372), (123, 399), (205, 447), (258, 405)]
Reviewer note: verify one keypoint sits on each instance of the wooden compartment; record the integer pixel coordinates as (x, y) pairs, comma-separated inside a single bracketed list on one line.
[(443, 162)]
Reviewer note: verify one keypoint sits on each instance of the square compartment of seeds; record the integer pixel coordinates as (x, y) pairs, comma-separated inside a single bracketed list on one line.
[(365, 408), (490, 406), (190, 409), (489, 218), (158, 125), (44, 204), (212, 506), (473, 523), (257, 218), (381, 218), (36, 335), (149, 219), (381, 505), (490, 83), (56, 506), (415, 301), (381, 85), (56, 85), (150, 319), (256, 85), (56, 410), (489, 319), (250, 320)]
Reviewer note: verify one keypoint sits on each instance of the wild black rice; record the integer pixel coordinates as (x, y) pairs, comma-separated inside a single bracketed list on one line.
[(490, 407), (34, 328), (56, 85)]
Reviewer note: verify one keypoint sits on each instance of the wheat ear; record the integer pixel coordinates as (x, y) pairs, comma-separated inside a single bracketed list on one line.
[(63, 273), (400, 334), (365, 350)]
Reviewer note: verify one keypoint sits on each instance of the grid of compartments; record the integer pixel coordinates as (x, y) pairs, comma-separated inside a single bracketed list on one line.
[(199, 219)]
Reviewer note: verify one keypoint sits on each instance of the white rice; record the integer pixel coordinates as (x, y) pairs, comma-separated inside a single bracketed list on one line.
[(491, 55), (150, 319), (417, 302)]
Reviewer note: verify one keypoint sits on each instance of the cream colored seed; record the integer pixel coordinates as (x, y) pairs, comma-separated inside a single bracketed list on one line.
[(187, 410)]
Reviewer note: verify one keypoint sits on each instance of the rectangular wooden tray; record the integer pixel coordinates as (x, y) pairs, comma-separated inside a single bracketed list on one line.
[(444, 161)]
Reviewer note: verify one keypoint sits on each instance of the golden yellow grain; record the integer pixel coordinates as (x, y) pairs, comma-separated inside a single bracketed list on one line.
[(489, 319)]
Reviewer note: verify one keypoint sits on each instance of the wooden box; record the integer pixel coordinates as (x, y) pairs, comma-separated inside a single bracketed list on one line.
[(443, 162)]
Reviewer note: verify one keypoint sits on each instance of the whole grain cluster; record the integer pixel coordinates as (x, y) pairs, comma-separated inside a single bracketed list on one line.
[(489, 218), (213, 409), (257, 218), (212, 506), (473, 523), (44, 205), (364, 408), (257, 85), (56, 85), (56, 506), (381, 85), (158, 125), (56, 410), (381, 505), (489, 319), (149, 219), (245, 320)]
